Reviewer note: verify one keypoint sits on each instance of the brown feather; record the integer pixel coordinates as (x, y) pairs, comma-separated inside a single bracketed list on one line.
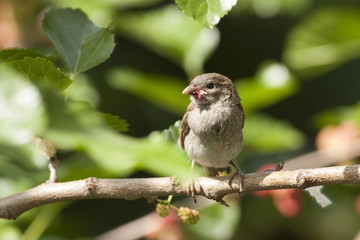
[(185, 128), (243, 115)]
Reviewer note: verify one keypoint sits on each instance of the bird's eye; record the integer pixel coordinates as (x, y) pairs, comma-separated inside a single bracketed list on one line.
[(210, 85)]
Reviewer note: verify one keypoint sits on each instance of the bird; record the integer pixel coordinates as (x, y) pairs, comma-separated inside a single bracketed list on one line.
[(211, 128)]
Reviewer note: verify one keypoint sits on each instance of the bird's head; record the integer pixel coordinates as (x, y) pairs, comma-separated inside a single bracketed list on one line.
[(210, 88)]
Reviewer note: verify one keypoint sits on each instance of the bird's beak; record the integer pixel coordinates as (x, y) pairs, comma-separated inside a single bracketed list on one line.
[(194, 91), (189, 90)]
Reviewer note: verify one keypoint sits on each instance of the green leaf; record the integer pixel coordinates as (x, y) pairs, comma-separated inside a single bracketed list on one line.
[(324, 40), (267, 134), (273, 82), (81, 44), (75, 126), (161, 90), (9, 55), (42, 72), (163, 158), (115, 122), (169, 33), (207, 12), (172, 134)]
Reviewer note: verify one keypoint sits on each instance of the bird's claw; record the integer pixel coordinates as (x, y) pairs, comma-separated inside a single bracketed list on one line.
[(241, 176), (191, 189)]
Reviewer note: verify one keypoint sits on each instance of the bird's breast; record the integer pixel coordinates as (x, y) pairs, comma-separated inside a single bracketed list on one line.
[(215, 136)]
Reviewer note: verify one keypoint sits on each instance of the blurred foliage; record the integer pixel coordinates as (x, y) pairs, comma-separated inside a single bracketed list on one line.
[(271, 83), (223, 222), (163, 30), (324, 40), (264, 133), (91, 98), (161, 90), (338, 115)]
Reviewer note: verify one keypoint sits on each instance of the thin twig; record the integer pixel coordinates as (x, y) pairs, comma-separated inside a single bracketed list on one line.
[(133, 188)]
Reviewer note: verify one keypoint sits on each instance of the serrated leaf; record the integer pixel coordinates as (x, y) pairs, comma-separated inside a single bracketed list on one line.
[(169, 33), (8, 55), (42, 72), (207, 12), (324, 40), (115, 122), (81, 44)]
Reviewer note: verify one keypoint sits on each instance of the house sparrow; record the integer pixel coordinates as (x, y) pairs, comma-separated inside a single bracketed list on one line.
[(211, 129)]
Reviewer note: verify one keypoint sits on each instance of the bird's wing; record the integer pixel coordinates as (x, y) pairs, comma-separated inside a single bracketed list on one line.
[(185, 128), (243, 115)]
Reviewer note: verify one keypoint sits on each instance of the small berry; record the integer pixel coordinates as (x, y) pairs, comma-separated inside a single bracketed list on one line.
[(188, 216), (162, 209)]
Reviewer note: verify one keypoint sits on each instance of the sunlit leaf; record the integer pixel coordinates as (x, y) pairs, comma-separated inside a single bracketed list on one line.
[(163, 91), (169, 33), (42, 72), (324, 40), (272, 83), (207, 12), (81, 44), (267, 134)]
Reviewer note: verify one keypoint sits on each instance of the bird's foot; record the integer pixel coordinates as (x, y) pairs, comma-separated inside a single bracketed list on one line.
[(191, 191), (238, 173)]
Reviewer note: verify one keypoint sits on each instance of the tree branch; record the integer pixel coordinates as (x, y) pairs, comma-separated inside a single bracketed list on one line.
[(133, 188)]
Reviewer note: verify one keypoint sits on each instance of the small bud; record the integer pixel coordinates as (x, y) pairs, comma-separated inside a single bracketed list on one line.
[(46, 147), (188, 216), (162, 209)]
